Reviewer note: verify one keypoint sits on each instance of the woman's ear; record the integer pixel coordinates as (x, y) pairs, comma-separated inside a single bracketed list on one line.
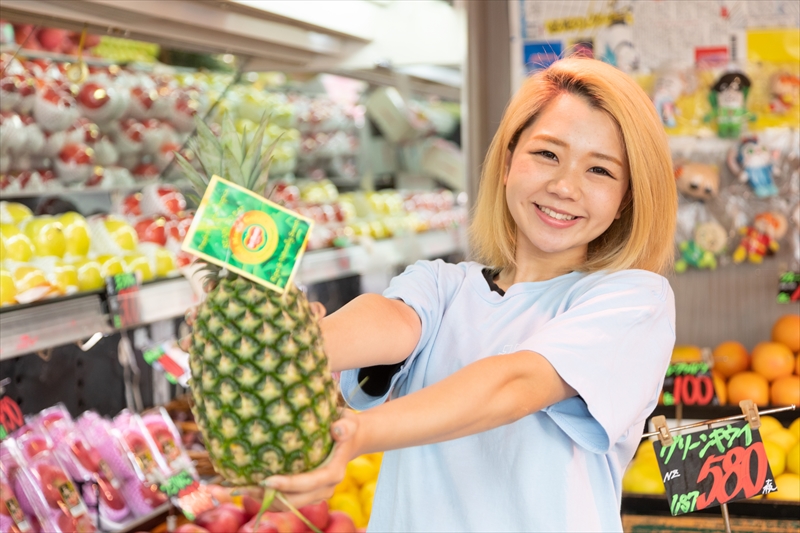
[(626, 201), (509, 154)]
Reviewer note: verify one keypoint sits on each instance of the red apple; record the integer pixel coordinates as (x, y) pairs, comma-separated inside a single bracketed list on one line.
[(265, 525), (93, 95), (152, 230), (224, 518), (52, 479), (76, 154), (52, 39), (151, 495), (86, 455), (251, 504), (22, 34), (81, 524), (146, 172), (340, 522), (317, 514), (35, 445), (132, 129), (190, 528), (110, 495)]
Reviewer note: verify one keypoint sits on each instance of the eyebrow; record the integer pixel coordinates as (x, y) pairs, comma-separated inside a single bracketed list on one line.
[(559, 142)]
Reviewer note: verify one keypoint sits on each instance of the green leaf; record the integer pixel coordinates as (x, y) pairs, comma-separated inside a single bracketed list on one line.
[(208, 149), (198, 182), (231, 143), (233, 168), (251, 166)]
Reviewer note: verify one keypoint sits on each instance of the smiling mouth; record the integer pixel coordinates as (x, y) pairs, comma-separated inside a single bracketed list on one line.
[(553, 214)]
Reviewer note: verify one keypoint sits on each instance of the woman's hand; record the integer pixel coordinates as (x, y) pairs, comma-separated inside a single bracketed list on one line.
[(319, 484)]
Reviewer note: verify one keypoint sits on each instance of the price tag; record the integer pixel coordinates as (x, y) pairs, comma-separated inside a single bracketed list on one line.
[(16, 514), (123, 299), (11, 417), (708, 468), (689, 384), (187, 494), (789, 288), (172, 359)]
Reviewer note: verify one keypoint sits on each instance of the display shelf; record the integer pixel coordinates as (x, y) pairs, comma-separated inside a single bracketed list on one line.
[(148, 522), (710, 412), (36, 327), (655, 505)]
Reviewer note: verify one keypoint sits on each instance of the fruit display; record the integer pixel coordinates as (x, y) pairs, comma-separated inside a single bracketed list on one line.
[(264, 398), (355, 493), (643, 475)]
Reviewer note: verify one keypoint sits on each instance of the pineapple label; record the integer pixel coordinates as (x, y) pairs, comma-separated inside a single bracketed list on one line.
[(247, 234)]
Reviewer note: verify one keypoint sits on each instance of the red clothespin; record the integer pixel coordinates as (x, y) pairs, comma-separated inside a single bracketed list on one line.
[(660, 424), (750, 411)]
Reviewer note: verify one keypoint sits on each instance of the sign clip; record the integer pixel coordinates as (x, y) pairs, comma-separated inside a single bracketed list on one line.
[(660, 424), (751, 415)]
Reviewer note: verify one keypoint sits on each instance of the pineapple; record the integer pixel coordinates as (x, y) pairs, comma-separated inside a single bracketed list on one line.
[(264, 398)]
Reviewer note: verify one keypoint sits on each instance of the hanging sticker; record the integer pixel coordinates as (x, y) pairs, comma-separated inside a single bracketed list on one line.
[(689, 384), (708, 468)]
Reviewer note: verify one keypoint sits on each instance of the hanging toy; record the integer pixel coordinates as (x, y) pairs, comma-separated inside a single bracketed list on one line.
[(728, 99), (697, 181), (783, 88), (709, 241), (761, 238), (752, 163)]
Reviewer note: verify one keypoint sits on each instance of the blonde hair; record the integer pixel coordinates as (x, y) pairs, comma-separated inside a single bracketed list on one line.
[(643, 235)]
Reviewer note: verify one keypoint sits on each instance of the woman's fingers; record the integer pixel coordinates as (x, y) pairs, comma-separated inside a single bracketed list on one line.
[(301, 500), (190, 316), (185, 343)]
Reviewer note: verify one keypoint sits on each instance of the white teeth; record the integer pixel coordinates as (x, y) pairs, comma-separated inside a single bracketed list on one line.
[(553, 214)]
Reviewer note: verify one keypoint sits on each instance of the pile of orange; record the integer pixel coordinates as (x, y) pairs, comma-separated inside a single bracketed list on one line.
[(770, 375)]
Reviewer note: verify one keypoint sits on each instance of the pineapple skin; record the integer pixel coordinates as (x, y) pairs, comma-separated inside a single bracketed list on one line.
[(264, 398)]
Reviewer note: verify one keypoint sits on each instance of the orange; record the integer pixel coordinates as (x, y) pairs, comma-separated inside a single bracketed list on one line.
[(786, 330), (748, 386), (720, 388), (686, 354), (730, 357), (772, 360), (785, 391), (797, 365)]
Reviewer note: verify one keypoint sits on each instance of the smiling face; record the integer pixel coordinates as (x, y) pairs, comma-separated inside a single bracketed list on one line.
[(566, 182)]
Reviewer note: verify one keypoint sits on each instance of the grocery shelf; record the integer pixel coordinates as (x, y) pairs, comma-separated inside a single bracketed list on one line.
[(655, 505), (36, 327)]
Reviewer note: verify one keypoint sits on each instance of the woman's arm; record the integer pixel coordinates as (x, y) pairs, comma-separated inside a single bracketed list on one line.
[(370, 330), (484, 395)]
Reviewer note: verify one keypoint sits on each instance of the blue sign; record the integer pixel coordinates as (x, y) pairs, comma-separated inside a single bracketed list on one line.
[(541, 54)]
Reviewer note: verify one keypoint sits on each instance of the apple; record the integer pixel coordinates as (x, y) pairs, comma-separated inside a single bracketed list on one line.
[(54, 108), (317, 514), (151, 495), (224, 518), (265, 525), (340, 522), (22, 34), (152, 230), (93, 96), (54, 481), (131, 205), (141, 103), (130, 136), (163, 438), (52, 39), (146, 172), (162, 200), (190, 528), (75, 162), (81, 524)]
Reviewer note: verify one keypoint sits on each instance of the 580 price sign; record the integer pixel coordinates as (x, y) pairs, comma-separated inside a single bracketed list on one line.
[(689, 384), (715, 466)]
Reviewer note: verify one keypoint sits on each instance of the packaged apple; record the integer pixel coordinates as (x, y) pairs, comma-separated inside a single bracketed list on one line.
[(142, 496), (31, 440), (12, 518), (150, 461), (84, 465)]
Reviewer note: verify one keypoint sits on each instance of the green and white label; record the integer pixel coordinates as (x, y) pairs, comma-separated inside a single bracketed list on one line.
[(247, 234)]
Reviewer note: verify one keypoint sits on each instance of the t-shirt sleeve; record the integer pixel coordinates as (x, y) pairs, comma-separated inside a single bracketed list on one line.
[(612, 344), (420, 286)]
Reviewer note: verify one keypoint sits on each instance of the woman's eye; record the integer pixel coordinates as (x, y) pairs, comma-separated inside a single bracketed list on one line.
[(547, 154), (601, 171)]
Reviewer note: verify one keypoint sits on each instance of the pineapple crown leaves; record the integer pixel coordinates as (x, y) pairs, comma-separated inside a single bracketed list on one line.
[(230, 156)]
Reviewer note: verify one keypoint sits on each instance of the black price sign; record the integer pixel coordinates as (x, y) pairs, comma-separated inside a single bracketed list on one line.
[(689, 384), (789, 288), (708, 468), (123, 299)]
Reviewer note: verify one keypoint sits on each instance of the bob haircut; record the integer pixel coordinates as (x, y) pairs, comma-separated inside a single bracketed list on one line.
[(643, 235)]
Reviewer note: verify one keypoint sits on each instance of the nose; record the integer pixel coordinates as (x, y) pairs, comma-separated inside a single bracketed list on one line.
[(565, 184)]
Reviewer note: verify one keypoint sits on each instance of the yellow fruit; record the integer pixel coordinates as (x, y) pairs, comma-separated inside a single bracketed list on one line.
[(686, 354), (31, 283), (786, 330), (346, 485), (64, 278), (794, 427), (776, 456), (793, 459), (89, 276), (76, 233), (348, 503), (784, 437), (8, 291), (47, 236), (768, 425), (110, 265), (788, 487), (139, 263), (772, 360), (376, 458), (367, 495), (720, 387), (645, 451), (785, 391), (14, 213), (14, 244), (121, 233), (361, 469), (748, 386), (642, 478), (730, 358)]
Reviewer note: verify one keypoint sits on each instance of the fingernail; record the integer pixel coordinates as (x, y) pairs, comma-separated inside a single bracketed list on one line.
[(272, 482), (337, 430)]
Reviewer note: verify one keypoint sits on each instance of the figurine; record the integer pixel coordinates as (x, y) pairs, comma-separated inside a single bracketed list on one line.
[(709, 241), (783, 92), (752, 163), (728, 99), (761, 238), (698, 181), (667, 90)]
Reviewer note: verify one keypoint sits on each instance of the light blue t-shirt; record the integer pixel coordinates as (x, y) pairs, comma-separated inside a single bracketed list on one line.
[(609, 336)]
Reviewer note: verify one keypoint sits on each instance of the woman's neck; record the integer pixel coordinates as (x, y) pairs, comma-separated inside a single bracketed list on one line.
[(531, 270)]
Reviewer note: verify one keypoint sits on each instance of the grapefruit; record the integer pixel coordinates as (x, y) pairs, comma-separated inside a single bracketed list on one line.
[(768, 425), (794, 427), (643, 478), (783, 437), (785, 391), (730, 357), (776, 456), (686, 354), (793, 459), (788, 487), (772, 360), (786, 330), (748, 386)]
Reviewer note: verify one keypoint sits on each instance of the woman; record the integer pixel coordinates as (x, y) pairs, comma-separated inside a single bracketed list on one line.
[(520, 390)]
